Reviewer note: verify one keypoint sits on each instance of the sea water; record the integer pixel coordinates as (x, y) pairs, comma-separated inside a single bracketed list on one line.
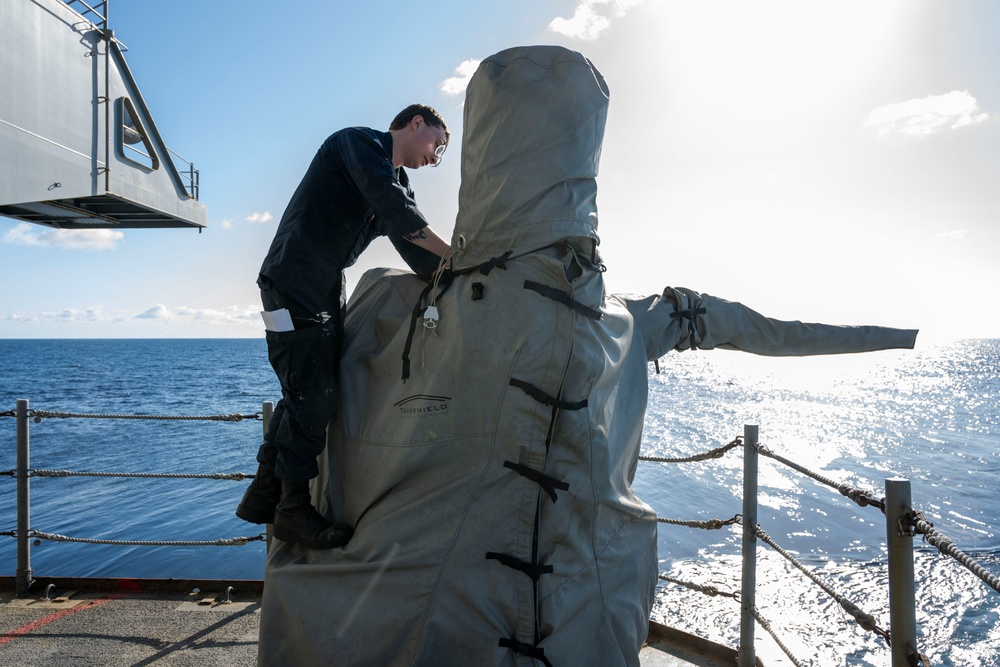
[(931, 415)]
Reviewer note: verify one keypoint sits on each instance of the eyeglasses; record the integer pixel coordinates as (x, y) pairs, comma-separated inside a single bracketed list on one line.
[(439, 153)]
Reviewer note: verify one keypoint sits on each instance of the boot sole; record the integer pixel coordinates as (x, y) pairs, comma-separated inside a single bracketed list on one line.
[(254, 516)]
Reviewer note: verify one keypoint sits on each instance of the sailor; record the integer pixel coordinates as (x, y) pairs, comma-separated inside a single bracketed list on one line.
[(355, 190)]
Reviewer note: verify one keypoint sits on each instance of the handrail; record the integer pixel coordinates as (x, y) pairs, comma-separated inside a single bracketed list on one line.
[(901, 521), (23, 474), (901, 579)]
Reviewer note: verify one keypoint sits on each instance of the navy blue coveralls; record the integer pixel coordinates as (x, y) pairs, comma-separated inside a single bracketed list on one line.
[(350, 194)]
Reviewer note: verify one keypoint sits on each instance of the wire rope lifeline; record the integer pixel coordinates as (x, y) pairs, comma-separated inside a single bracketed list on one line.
[(860, 496), (865, 620), (234, 417), (710, 591), (235, 476), (948, 548), (767, 627), (232, 542), (716, 453)]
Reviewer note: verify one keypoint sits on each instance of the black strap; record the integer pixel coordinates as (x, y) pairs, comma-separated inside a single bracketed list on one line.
[(525, 649), (689, 315), (548, 484), (417, 309), (545, 399), (533, 570), (563, 298), (495, 262)]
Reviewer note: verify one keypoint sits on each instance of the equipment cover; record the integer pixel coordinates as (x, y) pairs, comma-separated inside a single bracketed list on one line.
[(485, 457)]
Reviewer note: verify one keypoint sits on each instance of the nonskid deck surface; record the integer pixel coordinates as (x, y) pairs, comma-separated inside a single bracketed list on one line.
[(139, 623), (130, 624)]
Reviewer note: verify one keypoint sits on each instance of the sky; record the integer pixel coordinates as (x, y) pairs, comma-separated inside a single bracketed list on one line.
[(825, 161)]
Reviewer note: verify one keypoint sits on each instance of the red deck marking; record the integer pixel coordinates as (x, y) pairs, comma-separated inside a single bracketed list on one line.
[(55, 616)]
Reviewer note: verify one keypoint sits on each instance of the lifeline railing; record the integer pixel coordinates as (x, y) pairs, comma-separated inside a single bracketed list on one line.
[(23, 473), (902, 524)]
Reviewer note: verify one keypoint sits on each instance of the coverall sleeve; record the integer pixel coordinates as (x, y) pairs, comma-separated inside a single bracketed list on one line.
[(372, 172), (422, 262), (682, 319)]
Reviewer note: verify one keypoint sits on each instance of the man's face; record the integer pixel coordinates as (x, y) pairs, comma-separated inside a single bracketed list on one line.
[(427, 144)]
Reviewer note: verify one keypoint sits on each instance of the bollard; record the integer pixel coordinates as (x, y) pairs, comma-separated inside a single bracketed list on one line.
[(23, 578), (902, 596), (746, 656)]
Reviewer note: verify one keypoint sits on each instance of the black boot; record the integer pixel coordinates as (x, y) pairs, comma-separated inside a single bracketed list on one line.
[(261, 498), (297, 521)]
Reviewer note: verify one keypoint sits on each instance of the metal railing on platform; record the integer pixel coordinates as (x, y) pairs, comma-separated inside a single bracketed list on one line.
[(902, 524), (23, 474), (901, 520)]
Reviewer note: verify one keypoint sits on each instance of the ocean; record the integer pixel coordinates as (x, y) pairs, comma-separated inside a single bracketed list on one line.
[(931, 415)]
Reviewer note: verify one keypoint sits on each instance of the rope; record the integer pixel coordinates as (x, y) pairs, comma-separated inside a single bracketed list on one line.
[(866, 621), (711, 591), (711, 524), (259, 416), (948, 548), (716, 453), (860, 496), (767, 626), (236, 476), (234, 542), (9, 413)]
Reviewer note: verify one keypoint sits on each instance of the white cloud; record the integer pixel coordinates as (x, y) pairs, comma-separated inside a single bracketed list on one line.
[(226, 223), (590, 18), (66, 315), (228, 315), (952, 234), (157, 312), (259, 217), (927, 115), (92, 314), (456, 85), (185, 315), (28, 234), (178, 316)]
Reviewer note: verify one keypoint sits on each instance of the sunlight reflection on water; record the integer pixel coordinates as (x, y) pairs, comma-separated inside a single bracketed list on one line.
[(930, 416)]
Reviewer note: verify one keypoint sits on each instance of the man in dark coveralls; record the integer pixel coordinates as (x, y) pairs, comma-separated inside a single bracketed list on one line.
[(354, 190)]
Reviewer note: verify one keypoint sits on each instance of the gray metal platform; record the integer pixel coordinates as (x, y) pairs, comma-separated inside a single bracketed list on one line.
[(128, 622)]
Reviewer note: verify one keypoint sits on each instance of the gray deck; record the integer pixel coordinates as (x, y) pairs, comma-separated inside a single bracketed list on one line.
[(134, 629), (157, 626)]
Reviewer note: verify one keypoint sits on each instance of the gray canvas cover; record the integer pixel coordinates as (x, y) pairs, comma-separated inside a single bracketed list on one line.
[(486, 463)]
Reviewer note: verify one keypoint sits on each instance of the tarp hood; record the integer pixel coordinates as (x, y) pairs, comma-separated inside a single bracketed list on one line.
[(534, 124)]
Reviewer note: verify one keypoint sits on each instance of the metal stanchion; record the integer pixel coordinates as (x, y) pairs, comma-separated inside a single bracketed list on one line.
[(902, 596), (747, 655), (23, 578)]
